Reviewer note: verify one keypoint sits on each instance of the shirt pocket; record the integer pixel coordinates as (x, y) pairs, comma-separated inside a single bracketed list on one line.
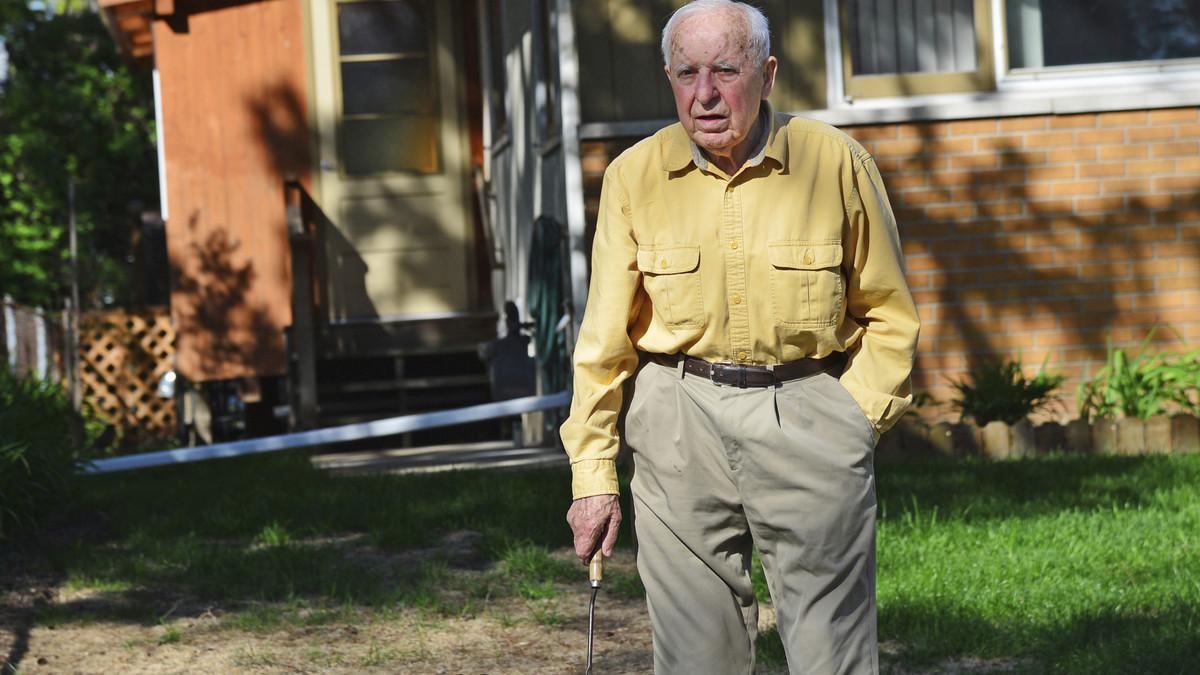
[(671, 276), (807, 288)]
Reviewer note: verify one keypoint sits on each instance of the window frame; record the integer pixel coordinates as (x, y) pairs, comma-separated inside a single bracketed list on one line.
[(1084, 75), (341, 145), (909, 84), (846, 91)]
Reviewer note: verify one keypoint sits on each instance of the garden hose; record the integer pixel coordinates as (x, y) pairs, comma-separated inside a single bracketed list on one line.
[(548, 301)]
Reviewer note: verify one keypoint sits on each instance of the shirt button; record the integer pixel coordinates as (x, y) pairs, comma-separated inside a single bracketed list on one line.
[(737, 299), (663, 263), (733, 245), (808, 258), (742, 356)]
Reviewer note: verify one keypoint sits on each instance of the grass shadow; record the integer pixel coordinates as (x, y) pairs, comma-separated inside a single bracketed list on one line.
[(1113, 640), (979, 489), (1073, 564)]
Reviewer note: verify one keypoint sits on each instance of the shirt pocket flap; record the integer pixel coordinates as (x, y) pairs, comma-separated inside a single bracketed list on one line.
[(668, 259), (804, 256)]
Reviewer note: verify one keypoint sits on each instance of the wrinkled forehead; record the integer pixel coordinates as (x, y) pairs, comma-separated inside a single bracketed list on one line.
[(715, 35)]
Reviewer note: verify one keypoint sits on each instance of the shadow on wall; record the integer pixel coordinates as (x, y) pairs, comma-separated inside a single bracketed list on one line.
[(218, 310), (1025, 237), (382, 248), (283, 137), (281, 129)]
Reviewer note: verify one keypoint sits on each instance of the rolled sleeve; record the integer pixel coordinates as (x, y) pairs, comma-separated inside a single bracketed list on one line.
[(877, 374), (604, 353)]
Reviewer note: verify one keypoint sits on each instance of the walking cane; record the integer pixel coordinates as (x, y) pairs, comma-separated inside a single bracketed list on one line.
[(595, 576)]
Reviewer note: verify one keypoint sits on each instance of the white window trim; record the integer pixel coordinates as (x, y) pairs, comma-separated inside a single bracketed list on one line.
[(835, 82), (1072, 89)]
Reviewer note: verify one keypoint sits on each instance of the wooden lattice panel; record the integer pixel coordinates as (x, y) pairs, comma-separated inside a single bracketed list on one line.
[(122, 357)]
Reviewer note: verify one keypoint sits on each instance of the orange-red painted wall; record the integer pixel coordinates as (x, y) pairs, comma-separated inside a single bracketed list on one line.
[(235, 105)]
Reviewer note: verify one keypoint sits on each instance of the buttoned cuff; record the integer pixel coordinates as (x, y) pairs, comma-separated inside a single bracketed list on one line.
[(591, 477)]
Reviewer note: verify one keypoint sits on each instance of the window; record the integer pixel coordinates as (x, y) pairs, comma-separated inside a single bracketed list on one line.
[(920, 47), (908, 47), (1051, 34), (389, 102)]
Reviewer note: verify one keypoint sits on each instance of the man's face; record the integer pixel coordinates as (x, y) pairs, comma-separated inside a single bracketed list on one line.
[(718, 90)]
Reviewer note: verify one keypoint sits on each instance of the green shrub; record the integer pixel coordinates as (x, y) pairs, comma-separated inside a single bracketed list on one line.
[(39, 439), (1143, 385), (999, 390)]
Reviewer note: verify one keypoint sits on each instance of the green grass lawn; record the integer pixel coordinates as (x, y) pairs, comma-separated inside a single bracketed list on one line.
[(1064, 564)]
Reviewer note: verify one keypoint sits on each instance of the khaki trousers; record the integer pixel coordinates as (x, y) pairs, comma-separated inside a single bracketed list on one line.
[(788, 469)]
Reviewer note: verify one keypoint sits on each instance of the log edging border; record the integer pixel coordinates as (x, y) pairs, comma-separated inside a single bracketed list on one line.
[(1162, 434)]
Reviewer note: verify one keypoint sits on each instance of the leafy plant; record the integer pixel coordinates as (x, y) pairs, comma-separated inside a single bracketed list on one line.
[(999, 390), (38, 450), (1143, 385), (70, 109)]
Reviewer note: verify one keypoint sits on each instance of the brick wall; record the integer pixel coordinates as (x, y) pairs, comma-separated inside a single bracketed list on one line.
[(1041, 236), (1044, 236)]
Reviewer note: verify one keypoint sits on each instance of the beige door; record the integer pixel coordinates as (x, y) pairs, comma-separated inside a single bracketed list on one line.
[(393, 157)]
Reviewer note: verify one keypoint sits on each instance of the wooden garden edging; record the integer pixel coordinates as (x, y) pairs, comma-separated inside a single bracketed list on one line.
[(1164, 434)]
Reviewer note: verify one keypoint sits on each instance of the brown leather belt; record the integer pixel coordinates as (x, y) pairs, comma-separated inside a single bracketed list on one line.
[(743, 376)]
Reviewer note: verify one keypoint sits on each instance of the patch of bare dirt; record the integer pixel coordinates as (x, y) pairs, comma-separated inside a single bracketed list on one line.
[(46, 628), (503, 635)]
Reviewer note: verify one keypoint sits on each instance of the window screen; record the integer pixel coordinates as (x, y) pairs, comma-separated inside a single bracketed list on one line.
[(889, 37), (1045, 34)]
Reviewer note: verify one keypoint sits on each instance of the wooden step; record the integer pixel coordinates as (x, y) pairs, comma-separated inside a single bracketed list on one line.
[(430, 400), (404, 384), (461, 332)]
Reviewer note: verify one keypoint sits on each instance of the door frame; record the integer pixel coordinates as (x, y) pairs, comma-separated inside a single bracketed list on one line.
[(321, 42)]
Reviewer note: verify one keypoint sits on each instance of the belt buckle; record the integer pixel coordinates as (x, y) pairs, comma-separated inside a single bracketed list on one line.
[(729, 374)]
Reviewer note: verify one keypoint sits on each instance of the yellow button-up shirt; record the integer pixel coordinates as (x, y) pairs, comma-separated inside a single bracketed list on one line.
[(794, 256)]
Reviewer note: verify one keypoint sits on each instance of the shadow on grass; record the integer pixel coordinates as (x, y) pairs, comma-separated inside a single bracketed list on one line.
[(274, 542), (242, 497), (937, 639), (977, 489), (261, 531), (1163, 639)]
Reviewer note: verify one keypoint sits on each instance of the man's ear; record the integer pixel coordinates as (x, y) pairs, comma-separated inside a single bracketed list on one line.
[(769, 69), (667, 72)]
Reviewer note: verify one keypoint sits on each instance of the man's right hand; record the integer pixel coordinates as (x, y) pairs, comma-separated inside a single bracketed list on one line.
[(594, 519)]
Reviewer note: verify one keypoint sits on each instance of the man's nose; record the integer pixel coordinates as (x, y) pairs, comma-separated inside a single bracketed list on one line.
[(706, 87)]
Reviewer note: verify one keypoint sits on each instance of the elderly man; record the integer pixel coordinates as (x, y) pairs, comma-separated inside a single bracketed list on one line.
[(747, 279)]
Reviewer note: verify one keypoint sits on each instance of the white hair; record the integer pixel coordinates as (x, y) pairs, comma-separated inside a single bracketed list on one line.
[(758, 32)]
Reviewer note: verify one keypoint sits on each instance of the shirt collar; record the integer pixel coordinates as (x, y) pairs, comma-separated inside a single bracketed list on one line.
[(678, 150)]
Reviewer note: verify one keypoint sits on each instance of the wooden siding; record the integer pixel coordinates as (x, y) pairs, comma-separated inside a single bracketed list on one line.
[(620, 60), (527, 174), (234, 127)]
